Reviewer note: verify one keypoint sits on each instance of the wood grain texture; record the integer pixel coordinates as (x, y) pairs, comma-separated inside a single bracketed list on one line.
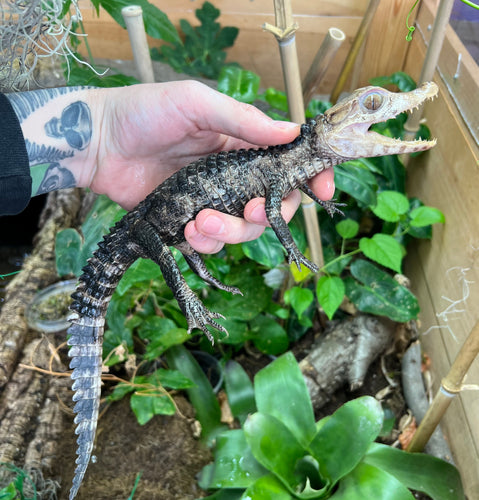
[(446, 177)]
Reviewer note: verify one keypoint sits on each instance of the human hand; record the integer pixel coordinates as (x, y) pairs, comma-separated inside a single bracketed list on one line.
[(153, 130)]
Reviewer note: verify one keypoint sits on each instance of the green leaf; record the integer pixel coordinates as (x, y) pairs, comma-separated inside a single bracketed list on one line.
[(157, 24), (299, 298), (281, 392), (367, 482), (425, 216), (238, 83), (202, 396), (275, 447), (83, 75), (347, 228), (267, 488), (403, 81), (344, 438), (239, 390), (140, 271), (8, 493), (68, 243), (391, 205), (384, 250), (380, 294), (234, 465), (352, 178), (330, 291), (434, 477), (268, 336), (276, 99), (265, 250), (146, 406)]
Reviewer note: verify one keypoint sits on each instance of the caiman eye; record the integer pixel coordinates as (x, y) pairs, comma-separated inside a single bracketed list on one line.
[(373, 101)]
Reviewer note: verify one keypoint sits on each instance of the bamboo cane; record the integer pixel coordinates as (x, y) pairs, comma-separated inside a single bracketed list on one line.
[(284, 31), (133, 16), (326, 52), (430, 61), (355, 48), (451, 385)]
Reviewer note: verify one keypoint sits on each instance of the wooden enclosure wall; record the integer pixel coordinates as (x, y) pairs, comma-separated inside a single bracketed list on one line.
[(443, 271), (257, 50)]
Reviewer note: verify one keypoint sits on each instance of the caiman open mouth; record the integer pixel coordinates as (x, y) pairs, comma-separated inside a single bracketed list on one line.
[(351, 135)]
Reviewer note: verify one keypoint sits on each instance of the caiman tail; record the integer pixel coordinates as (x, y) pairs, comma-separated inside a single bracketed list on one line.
[(90, 302)]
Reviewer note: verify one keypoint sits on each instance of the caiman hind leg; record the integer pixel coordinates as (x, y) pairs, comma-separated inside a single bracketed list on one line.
[(197, 265), (281, 229), (197, 315)]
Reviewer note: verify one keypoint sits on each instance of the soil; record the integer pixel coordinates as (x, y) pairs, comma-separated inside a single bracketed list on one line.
[(164, 451)]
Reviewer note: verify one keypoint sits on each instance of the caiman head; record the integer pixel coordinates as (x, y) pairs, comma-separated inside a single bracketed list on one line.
[(343, 131)]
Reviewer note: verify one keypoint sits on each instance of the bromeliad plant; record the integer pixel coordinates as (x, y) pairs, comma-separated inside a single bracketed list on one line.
[(282, 453)]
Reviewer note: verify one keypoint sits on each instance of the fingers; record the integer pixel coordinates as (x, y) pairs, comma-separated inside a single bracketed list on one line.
[(235, 119), (211, 229)]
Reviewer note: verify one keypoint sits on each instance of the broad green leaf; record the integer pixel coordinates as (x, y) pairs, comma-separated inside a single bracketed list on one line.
[(275, 447), (268, 335), (347, 228), (267, 488), (276, 99), (402, 80), (172, 379), (367, 482), (141, 270), (202, 396), (82, 75), (425, 216), (9, 492), (330, 291), (146, 406), (384, 250), (281, 392), (157, 24), (239, 389), (380, 294), (342, 441), (391, 205), (352, 178), (238, 83), (299, 298), (266, 250), (234, 465), (68, 243), (434, 477)]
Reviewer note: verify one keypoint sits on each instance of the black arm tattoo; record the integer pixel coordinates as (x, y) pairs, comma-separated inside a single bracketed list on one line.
[(72, 131)]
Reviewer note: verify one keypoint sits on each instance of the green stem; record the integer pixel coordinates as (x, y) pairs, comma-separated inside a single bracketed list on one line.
[(337, 259)]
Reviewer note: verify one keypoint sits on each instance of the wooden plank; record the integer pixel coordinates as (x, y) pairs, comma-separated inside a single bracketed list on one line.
[(446, 177), (254, 49)]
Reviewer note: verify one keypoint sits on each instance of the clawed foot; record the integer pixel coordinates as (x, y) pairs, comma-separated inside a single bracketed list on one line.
[(298, 258), (331, 207), (198, 316)]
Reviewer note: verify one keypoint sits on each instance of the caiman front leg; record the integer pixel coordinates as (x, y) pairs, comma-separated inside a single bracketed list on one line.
[(197, 315), (274, 197), (330, 206), (197, 265)]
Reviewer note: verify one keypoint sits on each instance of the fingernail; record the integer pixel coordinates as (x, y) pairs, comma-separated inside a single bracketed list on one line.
[(286, 125), (213, 225)]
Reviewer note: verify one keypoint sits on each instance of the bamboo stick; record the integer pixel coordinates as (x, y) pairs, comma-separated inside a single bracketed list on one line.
[(355, 48), (326, 52), (133, 16), (430, 61), (451, 385), (284, 31)]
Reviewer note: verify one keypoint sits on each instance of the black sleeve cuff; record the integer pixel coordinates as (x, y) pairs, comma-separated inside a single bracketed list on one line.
[(15, 179)]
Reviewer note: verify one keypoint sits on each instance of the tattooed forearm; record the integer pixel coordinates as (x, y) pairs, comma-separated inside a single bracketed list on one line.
[(25, 103), (53, 143)]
